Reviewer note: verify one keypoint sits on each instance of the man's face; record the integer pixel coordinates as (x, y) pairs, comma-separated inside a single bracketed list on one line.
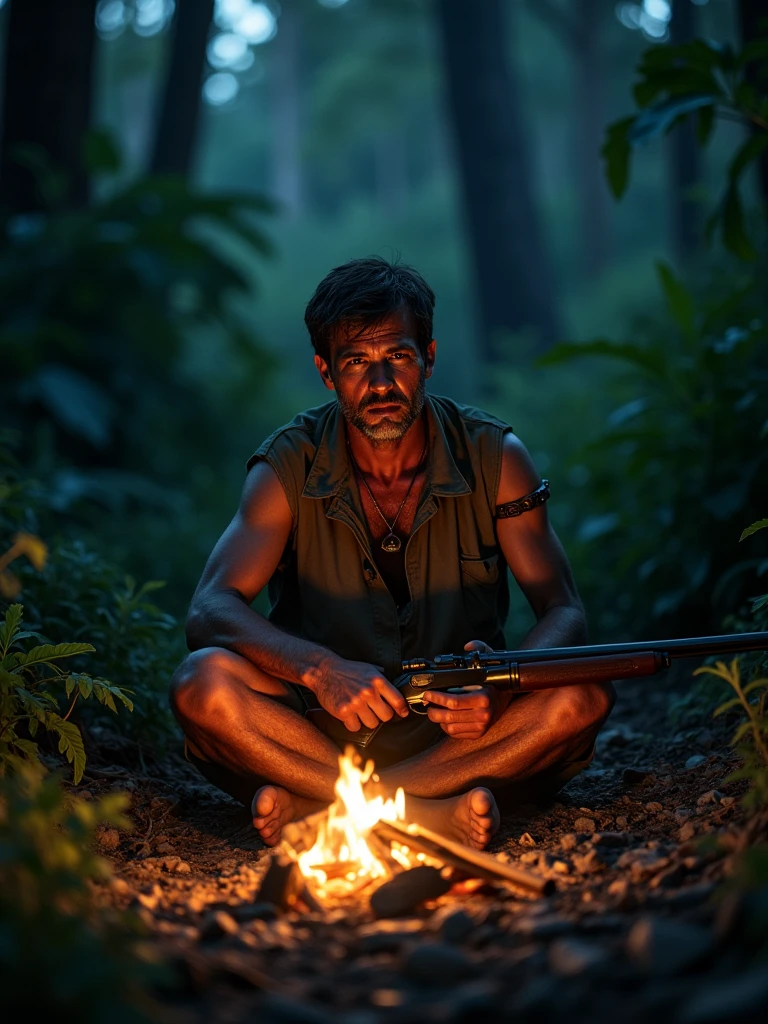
[(379, 376)]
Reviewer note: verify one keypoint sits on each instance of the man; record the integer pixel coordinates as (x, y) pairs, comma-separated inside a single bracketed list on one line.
[(383, 523)]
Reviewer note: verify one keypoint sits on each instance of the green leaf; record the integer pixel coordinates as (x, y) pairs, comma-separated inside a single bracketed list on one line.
[(728, 706), (71, 745), (616, 152), (659, 118), (29, 748), (747, 154), (756, 684), (705, 122), (679, 300), (646, 358), (11, 626), (734, 235), (48, 653), (761, 524)]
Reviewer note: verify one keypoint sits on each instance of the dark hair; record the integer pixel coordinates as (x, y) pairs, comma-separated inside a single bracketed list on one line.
[(363, 293)]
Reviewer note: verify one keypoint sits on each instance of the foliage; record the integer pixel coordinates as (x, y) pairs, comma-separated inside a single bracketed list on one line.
[(31, 685), (59, 958), (707, 80), (751, 736), (23, 544), (749, 530), (678, 457)]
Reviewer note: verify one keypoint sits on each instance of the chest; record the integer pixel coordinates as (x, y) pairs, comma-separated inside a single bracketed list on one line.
[(390, 509)]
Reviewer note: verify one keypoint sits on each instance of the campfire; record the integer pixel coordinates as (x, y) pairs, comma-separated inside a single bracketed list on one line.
[(363, 847)]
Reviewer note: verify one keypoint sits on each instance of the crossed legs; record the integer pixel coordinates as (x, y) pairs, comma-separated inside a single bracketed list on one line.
[(251, 726)]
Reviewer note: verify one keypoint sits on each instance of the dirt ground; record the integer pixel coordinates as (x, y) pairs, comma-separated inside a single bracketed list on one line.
[(643, 925)]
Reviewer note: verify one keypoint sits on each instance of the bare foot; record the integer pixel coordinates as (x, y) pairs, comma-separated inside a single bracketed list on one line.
[(272, 807), (471, 818)]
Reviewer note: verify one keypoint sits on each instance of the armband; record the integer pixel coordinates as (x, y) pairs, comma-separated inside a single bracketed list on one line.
[(510, 509)]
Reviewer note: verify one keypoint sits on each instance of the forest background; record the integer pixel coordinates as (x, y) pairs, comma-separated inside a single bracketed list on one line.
[(176, 179)]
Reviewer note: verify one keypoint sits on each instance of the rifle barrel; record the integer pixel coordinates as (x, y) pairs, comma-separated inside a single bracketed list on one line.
[(695, 647)]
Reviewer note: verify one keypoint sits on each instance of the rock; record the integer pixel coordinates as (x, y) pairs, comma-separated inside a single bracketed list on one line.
[(688, 831), (727, 801), (712, 796), (457, 926), (405, 891), (387, 997), (280, 1009), (164, 848), (569, 957), (526, 839), (612, 839), (544, 926), (182, 868), (245, 912), (437, 963), (682, 814), (654, 807), (744, 998), (584, 825), (622, 822), (569, 841), (664, 947), (109, 839), (217, 924), (120, 886), (695, 761), (587, 863), (633, 775), (642, 862)]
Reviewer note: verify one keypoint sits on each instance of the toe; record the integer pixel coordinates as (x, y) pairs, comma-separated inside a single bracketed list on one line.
[(480, 802), (264, 802)]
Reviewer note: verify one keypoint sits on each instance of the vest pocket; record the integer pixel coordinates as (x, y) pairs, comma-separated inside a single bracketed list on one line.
[(479, 584)]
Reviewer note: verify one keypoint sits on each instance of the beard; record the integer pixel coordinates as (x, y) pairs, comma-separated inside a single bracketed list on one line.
[(385, 430)]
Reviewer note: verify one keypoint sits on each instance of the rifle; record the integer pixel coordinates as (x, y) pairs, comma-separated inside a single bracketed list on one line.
[(542, 669)]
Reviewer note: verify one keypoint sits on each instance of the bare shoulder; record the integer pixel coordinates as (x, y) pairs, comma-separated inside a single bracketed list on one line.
[(519, 475), (263, 500)]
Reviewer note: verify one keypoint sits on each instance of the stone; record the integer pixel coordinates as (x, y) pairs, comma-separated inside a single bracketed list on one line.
[(120, 886), (526, 839), (664, 947), (622, 821), (569, 957), (688, 831), (437, 963), (634, 775), (743, 998), (218, 924), (712, 796), (457, 926), (569, 841), (164, 848), (584, 825), (695, 760), (654, 807), (587, 863), (402, 894), (682, 814), (109, 839), (245, 912), (544, 926), (727, 801), (612, 839), (281, 1009), (182, 868)]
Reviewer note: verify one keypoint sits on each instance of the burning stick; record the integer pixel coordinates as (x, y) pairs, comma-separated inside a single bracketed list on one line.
[(474, 862)]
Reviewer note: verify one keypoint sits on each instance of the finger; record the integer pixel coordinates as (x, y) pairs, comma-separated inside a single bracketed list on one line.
[(380, 708), (461, 732), (392, 696), (471, 716), (351, 722), (459, 701), (367, 717), (478, 645)]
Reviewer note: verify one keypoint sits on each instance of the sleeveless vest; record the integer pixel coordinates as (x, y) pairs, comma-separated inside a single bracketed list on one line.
[(327, 588)]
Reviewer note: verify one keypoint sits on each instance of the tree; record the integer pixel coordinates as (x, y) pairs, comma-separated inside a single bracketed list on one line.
[(684, 160), (47, 106), (177, 126), (287, 184), (753, 17), (513, 276), (579, 29)]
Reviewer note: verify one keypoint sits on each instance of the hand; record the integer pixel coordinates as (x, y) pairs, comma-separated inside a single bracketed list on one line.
[(357, 694), (468, 715)]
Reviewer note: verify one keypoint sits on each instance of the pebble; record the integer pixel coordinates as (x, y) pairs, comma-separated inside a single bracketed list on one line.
[(654, 807), (683, 814), (688, 831), (632, 776), (109, 839), (164, 848), (405, 891), (569, 841), (545, 926), (569, 957), (526, 839), (120, 886), (437, 963), (695, 761), (712, 796), (217, 924), (622, 822), (457, 926), (588, 863), (612, 839), (584, 825), (664, 947), (727, 801)]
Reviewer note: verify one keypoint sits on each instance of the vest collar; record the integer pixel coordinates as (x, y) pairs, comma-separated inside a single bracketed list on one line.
[(330, 470)]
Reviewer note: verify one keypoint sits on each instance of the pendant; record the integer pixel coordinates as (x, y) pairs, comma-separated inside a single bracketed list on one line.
[(391, 543)]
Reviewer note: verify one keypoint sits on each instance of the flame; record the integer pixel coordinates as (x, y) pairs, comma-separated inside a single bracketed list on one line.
[(341, 861)]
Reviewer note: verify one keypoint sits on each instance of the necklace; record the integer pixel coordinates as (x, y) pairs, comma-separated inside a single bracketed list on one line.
[(391, 542)]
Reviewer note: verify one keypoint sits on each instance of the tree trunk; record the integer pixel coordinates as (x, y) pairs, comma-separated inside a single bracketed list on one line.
[(47, 96), (177, 126), (513, 276), (684, 162), (590, 124), (391, 172), (287, 183), (753, 17)]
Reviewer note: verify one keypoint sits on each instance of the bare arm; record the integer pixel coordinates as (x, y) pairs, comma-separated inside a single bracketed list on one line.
[(536, 557), (240, 566)]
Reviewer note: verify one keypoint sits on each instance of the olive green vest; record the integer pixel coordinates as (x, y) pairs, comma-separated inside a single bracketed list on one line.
[(327, 588)]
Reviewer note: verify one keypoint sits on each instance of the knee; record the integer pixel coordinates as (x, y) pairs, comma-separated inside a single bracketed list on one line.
[(198, 684), (584, 708)]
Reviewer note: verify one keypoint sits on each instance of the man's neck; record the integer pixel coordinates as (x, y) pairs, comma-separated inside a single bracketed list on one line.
[(388, 461)]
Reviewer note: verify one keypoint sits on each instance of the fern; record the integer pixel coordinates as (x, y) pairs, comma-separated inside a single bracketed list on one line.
[(29, 683)]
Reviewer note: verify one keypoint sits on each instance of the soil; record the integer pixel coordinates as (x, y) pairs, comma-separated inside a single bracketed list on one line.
[(645, 922)]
